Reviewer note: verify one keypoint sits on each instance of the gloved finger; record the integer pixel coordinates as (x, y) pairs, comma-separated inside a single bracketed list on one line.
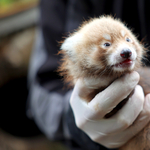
[(140, 122), (128, 114), (77, 104), (119, 122), (81, 108), (120, 138), (111, 141), (82, 111), (142, 119), (106, 100)]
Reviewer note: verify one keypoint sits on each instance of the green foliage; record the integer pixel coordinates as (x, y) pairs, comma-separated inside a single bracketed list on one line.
[(7, 2)]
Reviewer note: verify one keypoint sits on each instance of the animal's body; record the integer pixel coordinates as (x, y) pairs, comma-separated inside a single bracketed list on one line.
[(100, 51)]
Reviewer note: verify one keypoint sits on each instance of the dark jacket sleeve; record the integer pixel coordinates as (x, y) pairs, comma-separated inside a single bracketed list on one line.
[(47, 101)]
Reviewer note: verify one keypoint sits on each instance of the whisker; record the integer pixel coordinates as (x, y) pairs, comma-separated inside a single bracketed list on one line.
[(106, 69), (102, 73), (110, 71)]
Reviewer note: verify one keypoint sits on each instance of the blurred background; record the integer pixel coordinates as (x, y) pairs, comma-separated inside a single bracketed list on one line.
[(18, 24)]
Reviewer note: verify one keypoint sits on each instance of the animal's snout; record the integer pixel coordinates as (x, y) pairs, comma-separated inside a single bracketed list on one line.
[(125, 53)]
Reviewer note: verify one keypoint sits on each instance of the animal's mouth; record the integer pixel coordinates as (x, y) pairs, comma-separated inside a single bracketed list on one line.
[(124, 64)]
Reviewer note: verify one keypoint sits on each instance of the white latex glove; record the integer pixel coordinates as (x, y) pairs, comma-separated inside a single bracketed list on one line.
[(117, 130)]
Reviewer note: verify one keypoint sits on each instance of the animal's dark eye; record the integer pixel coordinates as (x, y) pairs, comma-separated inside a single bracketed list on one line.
[(128, 39), (107, 44)]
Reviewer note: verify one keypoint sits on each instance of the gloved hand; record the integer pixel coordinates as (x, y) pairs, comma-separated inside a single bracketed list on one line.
[(115, 131)]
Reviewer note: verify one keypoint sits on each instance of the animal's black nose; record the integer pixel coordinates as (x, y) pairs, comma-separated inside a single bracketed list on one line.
[(125, 53)]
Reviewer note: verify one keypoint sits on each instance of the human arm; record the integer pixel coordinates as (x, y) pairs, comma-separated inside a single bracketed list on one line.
[(47, 101), (115, 131)]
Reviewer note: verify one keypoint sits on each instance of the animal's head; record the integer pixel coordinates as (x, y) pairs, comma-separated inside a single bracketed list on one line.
[(103, 46)]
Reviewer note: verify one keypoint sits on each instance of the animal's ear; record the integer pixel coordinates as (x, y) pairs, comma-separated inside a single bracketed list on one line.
[(70, 44)]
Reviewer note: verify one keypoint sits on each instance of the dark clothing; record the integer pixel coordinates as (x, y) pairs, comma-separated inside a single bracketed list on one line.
[(49, 104)]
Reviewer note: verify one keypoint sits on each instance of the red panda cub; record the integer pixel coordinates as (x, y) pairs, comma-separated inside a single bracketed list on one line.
[(101, 50)]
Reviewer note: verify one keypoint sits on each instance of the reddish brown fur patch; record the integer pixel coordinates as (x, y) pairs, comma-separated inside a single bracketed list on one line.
[(89, 94), (64, 71)]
